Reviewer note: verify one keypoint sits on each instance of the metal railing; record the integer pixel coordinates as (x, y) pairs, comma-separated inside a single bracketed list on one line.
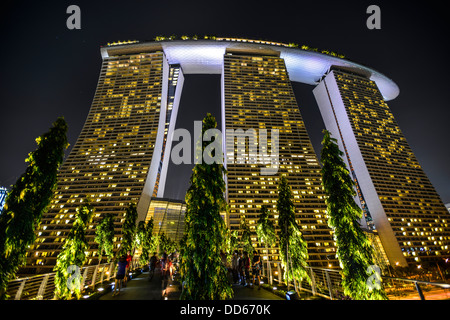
[(408, 289), (326, 283), (42, 286)]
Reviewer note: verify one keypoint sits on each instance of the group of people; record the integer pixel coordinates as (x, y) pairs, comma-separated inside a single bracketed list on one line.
[(240, 268), (167, 264)]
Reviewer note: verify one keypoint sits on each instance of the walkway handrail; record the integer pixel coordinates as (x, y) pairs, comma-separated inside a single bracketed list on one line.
[(438, 284), (327, 283), (42, 286)]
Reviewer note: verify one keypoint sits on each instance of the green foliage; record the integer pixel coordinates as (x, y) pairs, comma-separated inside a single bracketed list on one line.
[(140, 234), (73, 252), (28, 200), (166, 244), (293, 248), (203, 274), (353, 247), (265, 228), (232, 243), (104, 236), (246, 241), (145, 240), (128, 230)]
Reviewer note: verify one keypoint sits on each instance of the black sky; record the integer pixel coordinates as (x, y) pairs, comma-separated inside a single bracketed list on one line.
[(49, 71)]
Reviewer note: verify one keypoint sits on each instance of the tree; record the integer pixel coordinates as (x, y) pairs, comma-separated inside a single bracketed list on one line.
[(203, 274), (265, 228), (354, 250), (145, 239), (246, 240), (128, 230), (140, 234), (73, 254), (232, 243), (293, 248), (28, 200), (105, 237), (166, 244)]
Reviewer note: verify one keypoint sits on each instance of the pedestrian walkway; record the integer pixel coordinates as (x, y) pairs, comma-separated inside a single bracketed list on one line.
[(248, 293), (140, 288)]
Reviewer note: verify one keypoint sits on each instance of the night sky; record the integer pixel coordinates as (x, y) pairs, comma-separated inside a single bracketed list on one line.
[(49, 71)]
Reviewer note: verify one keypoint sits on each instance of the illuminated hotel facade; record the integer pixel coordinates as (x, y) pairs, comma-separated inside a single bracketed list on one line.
[(408, 214), (123, 151)]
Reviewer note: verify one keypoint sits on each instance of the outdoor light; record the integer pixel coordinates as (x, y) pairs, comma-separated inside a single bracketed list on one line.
[(100, 289), (86, 296), (274, 288), (292, 295)]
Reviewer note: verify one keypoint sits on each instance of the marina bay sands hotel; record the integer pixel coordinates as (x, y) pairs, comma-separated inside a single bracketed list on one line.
[(123, 152)]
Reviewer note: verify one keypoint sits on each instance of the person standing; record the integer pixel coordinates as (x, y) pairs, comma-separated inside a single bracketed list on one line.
[(120, 274), (256, 268), (241, 268), (235, 267), (246, 267), (129, 258)]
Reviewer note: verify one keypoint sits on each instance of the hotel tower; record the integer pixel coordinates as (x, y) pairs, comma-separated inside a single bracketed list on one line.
[(396, 195), (122, 154)]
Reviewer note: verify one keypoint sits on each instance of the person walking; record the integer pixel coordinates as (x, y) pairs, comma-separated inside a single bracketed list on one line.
[(120, 274), (166, 275), (256, 268), (152, 266)]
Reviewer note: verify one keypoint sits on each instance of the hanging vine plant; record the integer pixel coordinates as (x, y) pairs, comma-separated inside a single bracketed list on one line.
[(104, 237), (354, 249), (28, 199), (203, 274), (73, 255)]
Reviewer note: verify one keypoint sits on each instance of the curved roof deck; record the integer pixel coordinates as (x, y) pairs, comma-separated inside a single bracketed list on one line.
[(206, 57)]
